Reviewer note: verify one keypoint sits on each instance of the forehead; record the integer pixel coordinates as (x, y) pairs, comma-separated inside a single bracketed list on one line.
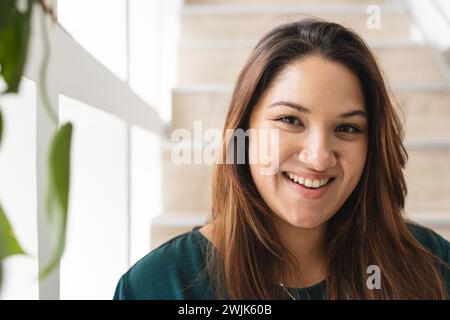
[(317, 83)]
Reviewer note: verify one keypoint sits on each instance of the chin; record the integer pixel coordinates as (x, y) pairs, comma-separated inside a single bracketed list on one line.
[(303, 221)]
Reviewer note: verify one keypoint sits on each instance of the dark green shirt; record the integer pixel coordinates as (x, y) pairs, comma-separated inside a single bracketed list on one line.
[(174, 270)]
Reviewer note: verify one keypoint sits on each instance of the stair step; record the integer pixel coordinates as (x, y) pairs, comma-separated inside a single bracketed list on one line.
[(181, 218), (428, 180), (404, 65), (435, 221), (169, 225), (261, 6), (185, 186), (161, 234), (251, 26), (444, 232), (427, 113), (208, 107), (427, 174)]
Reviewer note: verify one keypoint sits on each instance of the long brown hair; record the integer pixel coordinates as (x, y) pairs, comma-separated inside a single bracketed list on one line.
[(247, 257)]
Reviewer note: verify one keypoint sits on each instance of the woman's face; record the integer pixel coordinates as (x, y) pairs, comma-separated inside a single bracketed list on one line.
[(318, 107)]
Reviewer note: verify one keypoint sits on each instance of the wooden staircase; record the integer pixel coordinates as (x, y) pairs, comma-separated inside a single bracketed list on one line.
[(216, 38)]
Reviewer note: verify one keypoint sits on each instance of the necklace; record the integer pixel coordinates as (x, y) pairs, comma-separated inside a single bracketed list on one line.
[(290, 294), (287, 291)]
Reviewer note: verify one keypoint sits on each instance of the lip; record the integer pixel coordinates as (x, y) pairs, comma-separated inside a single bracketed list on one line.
[(305, 192)]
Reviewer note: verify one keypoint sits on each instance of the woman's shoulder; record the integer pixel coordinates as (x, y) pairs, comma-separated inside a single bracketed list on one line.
[(171, 271), (437, 245), (434, 242)]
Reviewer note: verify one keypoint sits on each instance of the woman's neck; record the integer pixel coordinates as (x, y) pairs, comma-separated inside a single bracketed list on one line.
[(308, 247)]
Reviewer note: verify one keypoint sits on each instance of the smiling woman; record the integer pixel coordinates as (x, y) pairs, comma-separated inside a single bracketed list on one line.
[(334, 208), (323, 143)]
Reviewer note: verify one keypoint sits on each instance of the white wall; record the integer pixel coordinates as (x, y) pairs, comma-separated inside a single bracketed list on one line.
[(18, 189)]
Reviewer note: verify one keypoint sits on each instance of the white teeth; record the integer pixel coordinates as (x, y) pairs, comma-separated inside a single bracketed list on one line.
[(308, 182)]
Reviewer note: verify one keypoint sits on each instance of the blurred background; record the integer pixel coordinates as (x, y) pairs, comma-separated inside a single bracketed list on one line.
[(129, 72)]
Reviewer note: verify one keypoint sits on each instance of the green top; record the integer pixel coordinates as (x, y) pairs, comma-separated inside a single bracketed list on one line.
[(173, 270)]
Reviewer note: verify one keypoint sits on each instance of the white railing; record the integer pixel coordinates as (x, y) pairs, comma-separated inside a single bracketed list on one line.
[(76, 74)]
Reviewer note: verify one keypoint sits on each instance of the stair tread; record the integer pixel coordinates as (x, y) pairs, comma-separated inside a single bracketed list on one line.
[(227, 87), (293, 8), (224, 64)]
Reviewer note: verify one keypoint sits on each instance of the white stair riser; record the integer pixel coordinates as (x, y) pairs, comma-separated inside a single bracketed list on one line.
[(403, 65), (215, 27), (426, 114), (186, 187), (428, 180)]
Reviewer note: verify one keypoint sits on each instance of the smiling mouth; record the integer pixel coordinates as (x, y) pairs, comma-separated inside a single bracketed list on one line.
[(308, 183)]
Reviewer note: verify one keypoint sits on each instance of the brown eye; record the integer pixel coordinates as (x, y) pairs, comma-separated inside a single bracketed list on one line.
[(346, 128), (290, 120)]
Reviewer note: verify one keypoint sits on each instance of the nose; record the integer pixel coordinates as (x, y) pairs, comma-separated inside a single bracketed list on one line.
[(316, 153)]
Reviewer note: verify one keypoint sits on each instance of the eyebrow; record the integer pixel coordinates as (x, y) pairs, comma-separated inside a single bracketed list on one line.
[(302, 109)]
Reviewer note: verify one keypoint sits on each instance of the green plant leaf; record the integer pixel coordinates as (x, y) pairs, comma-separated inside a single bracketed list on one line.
[(6, 7), (14, 37), (8, 242), (58, 194)]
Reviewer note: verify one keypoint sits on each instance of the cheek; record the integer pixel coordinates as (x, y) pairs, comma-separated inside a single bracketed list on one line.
[(352, 162), (270, 186), (268, 148), (260, 160), (289, 146)]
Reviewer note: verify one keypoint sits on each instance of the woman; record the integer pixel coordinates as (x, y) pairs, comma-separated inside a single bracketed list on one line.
[(333, 209)]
